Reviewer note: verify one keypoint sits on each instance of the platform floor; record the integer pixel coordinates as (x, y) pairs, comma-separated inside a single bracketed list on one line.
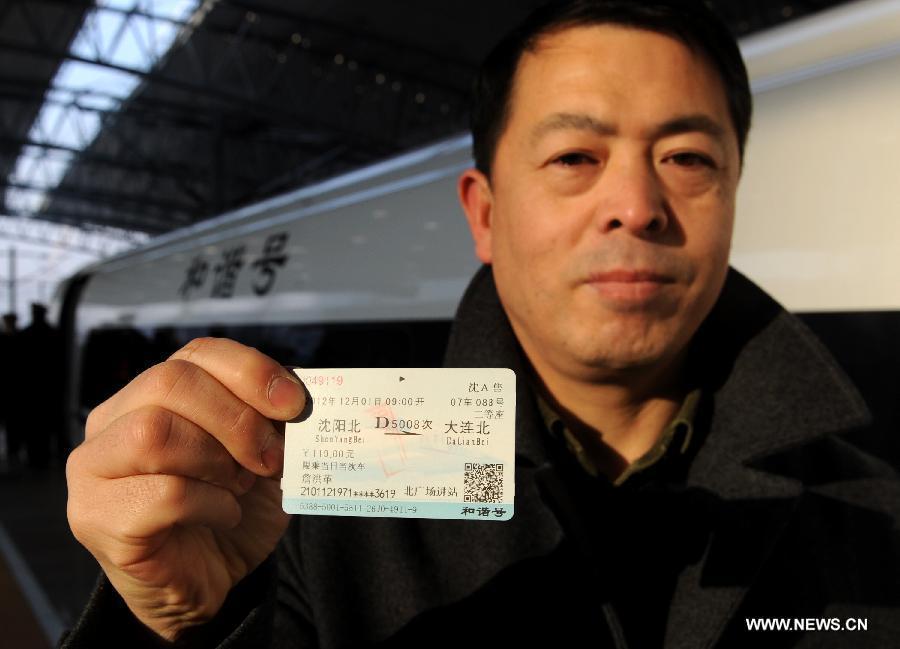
[(46, 576)]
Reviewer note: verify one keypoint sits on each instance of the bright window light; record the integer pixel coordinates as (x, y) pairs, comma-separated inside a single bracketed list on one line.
[(69, 120)]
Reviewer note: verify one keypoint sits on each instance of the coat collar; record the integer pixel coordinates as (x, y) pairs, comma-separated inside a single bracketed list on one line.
[(774, 389), (481, 336), (770, 387)]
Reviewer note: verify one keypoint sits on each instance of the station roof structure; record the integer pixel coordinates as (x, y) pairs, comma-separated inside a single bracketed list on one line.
[(149, 115)]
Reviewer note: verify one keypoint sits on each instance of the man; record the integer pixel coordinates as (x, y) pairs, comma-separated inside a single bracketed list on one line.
[(9, 411), (42, 345), (678, 466)]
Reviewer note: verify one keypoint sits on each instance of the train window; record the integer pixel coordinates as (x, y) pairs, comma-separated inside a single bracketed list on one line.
[(112, 357)]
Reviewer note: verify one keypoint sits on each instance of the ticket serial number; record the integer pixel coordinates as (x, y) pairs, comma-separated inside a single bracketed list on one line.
[(319, 379), (345, 492)]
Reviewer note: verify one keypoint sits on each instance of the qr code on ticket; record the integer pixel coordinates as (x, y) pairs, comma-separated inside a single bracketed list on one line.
[(483, 483)]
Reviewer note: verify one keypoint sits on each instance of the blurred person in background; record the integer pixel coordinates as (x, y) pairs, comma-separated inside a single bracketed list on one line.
[(9, 413), (39, 387)]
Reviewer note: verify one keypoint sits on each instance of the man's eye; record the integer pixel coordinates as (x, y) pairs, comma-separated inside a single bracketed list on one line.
[(574, 159), (689, 159)]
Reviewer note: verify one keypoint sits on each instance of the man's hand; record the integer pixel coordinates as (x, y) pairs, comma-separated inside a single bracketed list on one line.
[(175, 489)]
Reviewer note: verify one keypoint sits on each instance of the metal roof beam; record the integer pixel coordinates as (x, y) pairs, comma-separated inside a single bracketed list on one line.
[(27, 231), (165, 114), (173, 170), (341, 31), (161, 111), (256, 108), (347, 34), (98, 196), (326, 57), (49, 231), (155, 77), (244, 34), (43, 33), (85, 221)]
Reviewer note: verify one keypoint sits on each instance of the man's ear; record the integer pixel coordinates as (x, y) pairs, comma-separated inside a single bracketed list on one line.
[(477, 201)]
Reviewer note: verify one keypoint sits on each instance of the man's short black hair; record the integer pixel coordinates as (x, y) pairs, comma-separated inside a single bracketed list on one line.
[(690, 21)]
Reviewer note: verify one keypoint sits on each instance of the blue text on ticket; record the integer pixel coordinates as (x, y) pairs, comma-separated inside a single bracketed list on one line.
[(403, 443)]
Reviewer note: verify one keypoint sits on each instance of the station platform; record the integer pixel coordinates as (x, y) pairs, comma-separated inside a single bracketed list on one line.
[(46, 576)]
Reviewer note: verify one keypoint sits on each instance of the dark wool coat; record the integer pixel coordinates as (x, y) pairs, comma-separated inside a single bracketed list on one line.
[(777, 514)]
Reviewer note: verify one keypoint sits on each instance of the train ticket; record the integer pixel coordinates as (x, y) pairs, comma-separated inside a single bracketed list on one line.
[(403, 443)]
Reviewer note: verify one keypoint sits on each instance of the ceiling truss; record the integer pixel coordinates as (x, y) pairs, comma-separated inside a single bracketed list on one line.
[(252, 98)]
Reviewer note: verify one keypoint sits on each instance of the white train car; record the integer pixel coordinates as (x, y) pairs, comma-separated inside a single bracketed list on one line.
[(367, 268)]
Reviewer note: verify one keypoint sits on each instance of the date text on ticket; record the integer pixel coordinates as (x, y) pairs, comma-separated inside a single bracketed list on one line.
[(404, 443)]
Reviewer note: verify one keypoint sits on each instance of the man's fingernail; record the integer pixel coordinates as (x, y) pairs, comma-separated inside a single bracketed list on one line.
[(285, 394), (273, 453)]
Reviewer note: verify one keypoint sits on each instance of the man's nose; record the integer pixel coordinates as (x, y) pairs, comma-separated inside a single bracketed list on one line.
[(632, 199)]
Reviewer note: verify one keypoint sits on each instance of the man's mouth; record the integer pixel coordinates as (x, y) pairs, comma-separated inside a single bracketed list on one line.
[(625, 276), (629, 285)]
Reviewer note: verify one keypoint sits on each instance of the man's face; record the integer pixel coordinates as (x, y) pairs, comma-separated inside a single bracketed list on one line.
[(609, 212)]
